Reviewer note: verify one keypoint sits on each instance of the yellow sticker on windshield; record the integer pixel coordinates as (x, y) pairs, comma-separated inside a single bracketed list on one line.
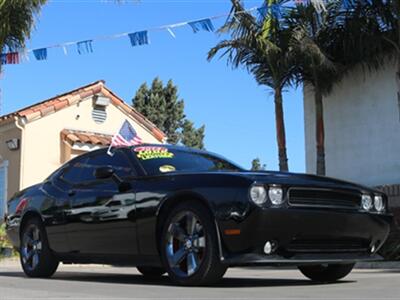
[(153, 152), (167, 168)]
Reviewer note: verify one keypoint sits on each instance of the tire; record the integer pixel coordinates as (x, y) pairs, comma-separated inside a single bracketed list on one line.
[(37, 260), (189, 246), (326, 273), (151, 272)]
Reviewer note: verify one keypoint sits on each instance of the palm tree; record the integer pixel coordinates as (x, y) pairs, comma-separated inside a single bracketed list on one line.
[(329, 43), (313, 65), (17, 19), (262, 46)]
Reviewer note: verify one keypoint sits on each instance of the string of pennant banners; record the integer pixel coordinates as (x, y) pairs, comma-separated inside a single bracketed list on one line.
[(140, 38), (137, 38)]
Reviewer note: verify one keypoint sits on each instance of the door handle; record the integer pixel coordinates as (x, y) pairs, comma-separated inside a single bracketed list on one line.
[(71, 193)]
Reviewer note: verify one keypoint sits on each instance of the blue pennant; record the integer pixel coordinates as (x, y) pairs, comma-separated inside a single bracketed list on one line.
[(3, 59), (40, 54), (276, 11), (139, 38), (204, 24), (263, 11), (85, 47)]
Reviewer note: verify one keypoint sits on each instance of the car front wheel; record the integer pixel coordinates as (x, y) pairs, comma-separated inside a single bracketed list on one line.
[(326, 273), (189, 245), (36, 258)]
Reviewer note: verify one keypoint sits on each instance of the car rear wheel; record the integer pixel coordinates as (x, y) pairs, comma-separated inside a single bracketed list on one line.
[(37, 260), (326, 273), (151, 272), (189, 245)]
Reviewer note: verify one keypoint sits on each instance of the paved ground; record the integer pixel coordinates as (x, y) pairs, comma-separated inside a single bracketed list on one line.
[(100, 282)]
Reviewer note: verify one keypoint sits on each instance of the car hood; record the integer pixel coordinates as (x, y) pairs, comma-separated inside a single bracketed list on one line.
[(286, 178)]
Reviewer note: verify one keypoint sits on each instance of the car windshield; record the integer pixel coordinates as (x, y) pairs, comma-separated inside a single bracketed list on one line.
[(158, 159)]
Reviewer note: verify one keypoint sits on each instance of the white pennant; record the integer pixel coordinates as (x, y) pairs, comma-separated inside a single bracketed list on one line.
[(171, 32)]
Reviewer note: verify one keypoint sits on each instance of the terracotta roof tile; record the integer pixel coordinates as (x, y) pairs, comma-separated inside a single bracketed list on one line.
[(47, 110), (86, 137), (59, 102)]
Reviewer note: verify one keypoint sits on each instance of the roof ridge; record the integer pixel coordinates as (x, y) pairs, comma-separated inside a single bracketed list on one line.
[(5, 116), (54, 104)]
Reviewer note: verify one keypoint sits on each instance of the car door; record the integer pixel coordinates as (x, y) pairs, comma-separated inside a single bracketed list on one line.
[(103, 216), (55, 204)]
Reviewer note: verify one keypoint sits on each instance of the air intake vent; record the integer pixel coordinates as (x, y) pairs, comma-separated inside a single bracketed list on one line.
[(324, 198), (99, 114)]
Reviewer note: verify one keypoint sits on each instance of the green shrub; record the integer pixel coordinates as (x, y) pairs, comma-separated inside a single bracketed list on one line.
[(4, 242)]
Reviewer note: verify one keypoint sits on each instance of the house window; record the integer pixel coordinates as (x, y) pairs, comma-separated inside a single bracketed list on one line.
[(3, 188), (99, 114)]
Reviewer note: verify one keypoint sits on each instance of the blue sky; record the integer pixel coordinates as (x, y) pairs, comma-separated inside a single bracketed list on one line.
[(238, 114)]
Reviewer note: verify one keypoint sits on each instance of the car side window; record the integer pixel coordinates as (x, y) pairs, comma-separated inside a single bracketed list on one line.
[(119, 162), (74, 170)]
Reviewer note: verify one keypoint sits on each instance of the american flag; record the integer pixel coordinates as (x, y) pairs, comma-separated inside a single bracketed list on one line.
[(126, 136)]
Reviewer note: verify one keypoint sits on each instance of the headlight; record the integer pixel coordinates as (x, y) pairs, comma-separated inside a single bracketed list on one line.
[(379, 204), (366, 202), (258, 194), (275, 194)]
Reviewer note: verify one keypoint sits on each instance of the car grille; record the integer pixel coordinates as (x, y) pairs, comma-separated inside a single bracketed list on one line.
[(328, 246), (325, 198)]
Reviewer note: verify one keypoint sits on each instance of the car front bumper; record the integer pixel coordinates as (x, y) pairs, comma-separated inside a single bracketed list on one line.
[(303, 236)]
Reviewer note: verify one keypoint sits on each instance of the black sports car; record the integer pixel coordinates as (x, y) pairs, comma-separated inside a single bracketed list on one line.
[(193, 214)]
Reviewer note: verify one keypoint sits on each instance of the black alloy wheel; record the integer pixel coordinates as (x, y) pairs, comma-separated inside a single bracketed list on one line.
[(37, 260), (189, 246), (326, 273)]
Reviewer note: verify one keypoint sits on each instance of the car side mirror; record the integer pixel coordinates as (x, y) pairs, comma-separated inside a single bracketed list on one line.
[(104, 172)]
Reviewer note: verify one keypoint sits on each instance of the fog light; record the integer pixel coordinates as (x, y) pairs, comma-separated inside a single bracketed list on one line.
[(373, 249), (268, 248)]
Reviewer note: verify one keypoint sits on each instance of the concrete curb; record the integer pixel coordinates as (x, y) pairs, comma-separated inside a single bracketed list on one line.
[(379, 265)]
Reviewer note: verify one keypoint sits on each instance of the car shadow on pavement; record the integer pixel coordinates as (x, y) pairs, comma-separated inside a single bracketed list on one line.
[(226, 282)]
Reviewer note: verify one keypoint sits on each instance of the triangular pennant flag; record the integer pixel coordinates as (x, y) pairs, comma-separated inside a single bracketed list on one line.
[(3, 59), (171, 32), (263, 11), (40, 54), (139, 38), (12, 58), (204, 24), (23, 55), (85, 47), (276, 11)]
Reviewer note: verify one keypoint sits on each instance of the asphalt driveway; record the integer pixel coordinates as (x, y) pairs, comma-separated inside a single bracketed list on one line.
[(103, 282)]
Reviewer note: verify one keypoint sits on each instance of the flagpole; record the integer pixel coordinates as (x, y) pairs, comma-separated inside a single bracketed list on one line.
[(109, 148)]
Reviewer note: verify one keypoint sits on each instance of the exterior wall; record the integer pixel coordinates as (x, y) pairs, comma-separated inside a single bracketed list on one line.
[(362, 129), (8, 132), (11, 160), (42, 151)]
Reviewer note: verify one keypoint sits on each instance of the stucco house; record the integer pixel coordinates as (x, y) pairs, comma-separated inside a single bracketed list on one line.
[(36, 140), (362, 130)]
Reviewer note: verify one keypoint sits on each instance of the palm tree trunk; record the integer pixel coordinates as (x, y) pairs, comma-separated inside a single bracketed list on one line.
[(280, 131), (319, 131)]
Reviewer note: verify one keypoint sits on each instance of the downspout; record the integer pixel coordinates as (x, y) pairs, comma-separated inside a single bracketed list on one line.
[(22, 149)]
